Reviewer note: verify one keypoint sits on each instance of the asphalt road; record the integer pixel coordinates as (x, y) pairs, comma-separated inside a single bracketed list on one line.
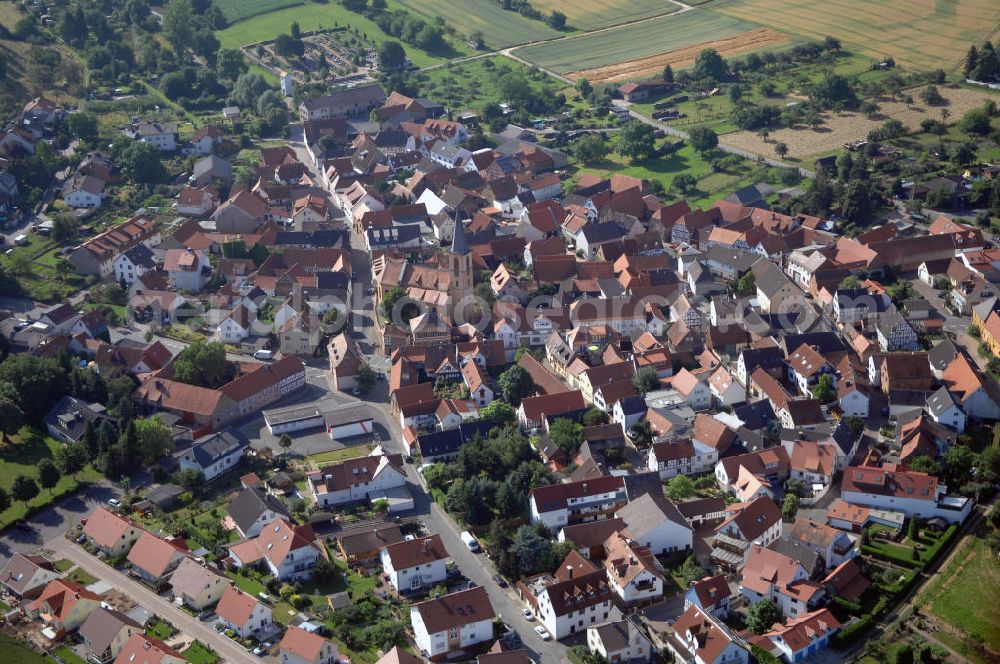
[(204, 632), (50, 524)]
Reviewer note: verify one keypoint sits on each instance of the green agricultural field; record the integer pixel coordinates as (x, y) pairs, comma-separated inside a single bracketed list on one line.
[(237, 10), (500, 28), (972, 573), (10, 14), (21, 457), (923, 35), (589, 15), (711, 186), (315, 16), (473, 84), (639, 48)]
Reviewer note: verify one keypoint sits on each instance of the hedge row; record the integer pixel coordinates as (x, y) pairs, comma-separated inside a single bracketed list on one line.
[(852, 633), (889, 555)]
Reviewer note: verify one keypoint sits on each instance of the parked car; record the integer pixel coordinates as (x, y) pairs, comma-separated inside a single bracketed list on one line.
[(528, 615), (114, 502), (497, 579), (542, 632), (263, 648)]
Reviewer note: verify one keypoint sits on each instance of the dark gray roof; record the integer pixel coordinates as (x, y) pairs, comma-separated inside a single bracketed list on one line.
[(700, 506), (102, 626), (250, 503), (70, 416), (209, 449), (391, 237), (738, 260), (448, 442), (939, 402), (633, 405), (942, 354), (769, 278), (141, 256), (321, 238), (638, 484), (164, 496), (800, 552), (459, 243), (647, 512), (889, 320), (825, 342), (604, 232)]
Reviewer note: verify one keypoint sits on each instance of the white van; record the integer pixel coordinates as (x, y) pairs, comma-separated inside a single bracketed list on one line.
[(470, 541), (263, 354), (21, 239)]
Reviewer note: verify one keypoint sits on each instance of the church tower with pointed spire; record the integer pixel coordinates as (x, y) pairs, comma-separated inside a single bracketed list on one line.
[(460, 264)]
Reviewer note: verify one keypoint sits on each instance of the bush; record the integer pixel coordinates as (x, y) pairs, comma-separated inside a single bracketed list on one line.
[(852, 633)]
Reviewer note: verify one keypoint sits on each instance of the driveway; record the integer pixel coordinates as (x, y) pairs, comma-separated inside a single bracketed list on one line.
[(230, 652), (51, 523)]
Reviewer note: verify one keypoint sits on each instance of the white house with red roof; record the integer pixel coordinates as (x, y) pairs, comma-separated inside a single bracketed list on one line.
[(111, 532), (299, 646), (243, 614), (289, 551), (895, 489), (142, 649), (699, 638), (800, 637), (772, 575), (153, 559), (711, 594), (558, 505), (64, 605), (454, 622)]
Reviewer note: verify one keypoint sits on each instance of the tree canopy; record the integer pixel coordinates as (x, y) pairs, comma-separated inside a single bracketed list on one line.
[(203, 364)]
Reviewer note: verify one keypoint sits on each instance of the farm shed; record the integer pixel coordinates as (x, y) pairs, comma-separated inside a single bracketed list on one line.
[(289, 420), (346, 424)]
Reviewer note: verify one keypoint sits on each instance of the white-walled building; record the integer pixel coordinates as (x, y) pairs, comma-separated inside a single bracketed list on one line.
[(453, 622), (415, 564)]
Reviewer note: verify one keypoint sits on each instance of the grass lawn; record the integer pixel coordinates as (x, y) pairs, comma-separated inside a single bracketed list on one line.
[(597, 14), (247, 585), (972, 573), (63, 565), (314, 16), (40, 271), (159, 629), (634, 41), (16, 651), (199, 653), (500, 28), (82, 577), (283, 612), (22, 457), (237, 10), (473, 84), (68, 656), (336, 456), (710, 186), (10, 14)]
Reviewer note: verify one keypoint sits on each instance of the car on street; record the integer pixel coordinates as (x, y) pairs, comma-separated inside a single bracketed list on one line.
[(497, 579), (263, 648), (528, 615), (471, 584), (114, 502), (542, 632)]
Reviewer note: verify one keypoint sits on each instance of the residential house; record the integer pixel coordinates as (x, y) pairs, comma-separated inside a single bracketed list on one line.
[(775, 292), (772, 575), (572, 599), (355, 480), (833, 546), (132, 264), (654, 522), (977, 394), (197, 586), (253, 508), (187, 269), (84, 192), (142, 649), (104, 634), (681, 457), (112, 533), (68, 419), (244, 614), (757, 523), (534, 410), (153, 559), (634, 574), (711, 595), (801, 637), (63, 605), (895, 489), (161, 135), (452, 623), (895, 332), (618, 642), (299, 646), (558, 505), (25, 576), (697, 637), (415, 564), (364, 546), (287, 551), (694, 392), (215, 453), (97, 255)]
